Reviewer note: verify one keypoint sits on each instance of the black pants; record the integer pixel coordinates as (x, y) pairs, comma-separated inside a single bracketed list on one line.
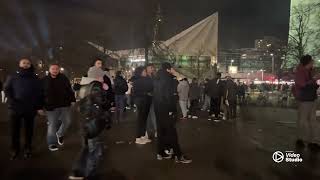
[(16, 121), (166, 129), (232, 109), (193, 107), (215, 104), (143, 108)]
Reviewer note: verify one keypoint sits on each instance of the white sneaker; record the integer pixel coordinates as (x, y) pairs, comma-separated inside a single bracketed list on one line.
[(209, 119), (169, 152), (146, 139), (194, 117), (189, 116), (140, 141)]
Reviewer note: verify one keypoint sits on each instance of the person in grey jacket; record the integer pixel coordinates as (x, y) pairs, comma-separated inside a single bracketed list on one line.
[(183, 92), (194, 96)]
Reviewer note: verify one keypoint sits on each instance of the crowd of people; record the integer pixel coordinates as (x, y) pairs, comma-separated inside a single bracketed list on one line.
[(156, 95)]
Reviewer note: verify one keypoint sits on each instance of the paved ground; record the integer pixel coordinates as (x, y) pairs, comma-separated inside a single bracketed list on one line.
[(221, 151)]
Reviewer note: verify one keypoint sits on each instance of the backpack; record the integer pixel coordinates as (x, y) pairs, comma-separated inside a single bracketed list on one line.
[(94, 107)]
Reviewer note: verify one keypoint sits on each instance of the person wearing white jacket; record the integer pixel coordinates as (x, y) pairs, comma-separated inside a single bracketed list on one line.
[(183, 92)]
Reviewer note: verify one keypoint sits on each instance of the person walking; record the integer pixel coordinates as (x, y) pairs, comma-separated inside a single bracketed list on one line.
[(215, 87), (183, 92), (25, 97), (165, 101), (143, 88), (306, 95), (120, 89), (194, 96), (95, 117), (206, 103), (59, 96), (230, 98)]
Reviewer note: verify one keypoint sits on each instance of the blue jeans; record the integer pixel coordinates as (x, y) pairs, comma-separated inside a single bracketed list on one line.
[(59, 121), (120, 105), (86, 164)]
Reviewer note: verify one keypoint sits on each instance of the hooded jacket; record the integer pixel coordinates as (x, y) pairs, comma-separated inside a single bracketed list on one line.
[(24, 91), (231, 89), (96, 73), (183, 90), (305, 85), (215, 88), (194, 92), (58, 92), (165, 90)]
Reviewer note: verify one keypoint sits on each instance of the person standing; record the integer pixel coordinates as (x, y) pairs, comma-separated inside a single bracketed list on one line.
[(143, 88), (306, 94), (165, 106), (151, 122), (230, 98), (215, 87), (24, 92), (120, 89), (206, 103), (183, 92), (194, 96), (59, 96)]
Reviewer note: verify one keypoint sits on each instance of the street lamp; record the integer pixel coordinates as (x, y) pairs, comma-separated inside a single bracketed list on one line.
[(61, 69), (272, 56), (262, 74), (232, 61)]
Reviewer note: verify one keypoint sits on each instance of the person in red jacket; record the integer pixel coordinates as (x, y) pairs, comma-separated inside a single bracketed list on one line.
[(306, 95)]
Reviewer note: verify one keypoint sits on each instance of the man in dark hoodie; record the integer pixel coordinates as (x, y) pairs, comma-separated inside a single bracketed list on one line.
[(24, 92), (230, 98), (165, 106), (58, 98), (215, 91), (142, 88), (306, 94), (120, 89)]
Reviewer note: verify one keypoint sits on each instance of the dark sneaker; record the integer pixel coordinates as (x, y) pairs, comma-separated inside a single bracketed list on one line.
[(14, 156), (53, 148), (27, 154), (60, 140), (183, 160), (164, 156)]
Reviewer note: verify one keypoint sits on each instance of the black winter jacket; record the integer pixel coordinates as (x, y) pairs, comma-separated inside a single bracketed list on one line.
[(24, 91), (165, 90), (57, 92), (142, 86)]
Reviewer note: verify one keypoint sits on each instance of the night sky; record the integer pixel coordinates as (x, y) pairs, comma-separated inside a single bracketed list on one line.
[(121, 22)]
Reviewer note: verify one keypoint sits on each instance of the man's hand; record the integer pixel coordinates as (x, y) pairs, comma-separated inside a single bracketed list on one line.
[(73, 103), (226, 102), (41, 112)]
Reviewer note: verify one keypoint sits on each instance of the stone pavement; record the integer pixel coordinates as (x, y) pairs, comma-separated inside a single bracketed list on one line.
[(221, 151)]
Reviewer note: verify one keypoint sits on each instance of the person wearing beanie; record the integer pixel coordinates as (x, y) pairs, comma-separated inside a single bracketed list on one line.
[(25, 97)]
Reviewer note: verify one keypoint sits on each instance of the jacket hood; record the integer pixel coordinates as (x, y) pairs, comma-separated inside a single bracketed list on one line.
[(184, 83), (95, 72)]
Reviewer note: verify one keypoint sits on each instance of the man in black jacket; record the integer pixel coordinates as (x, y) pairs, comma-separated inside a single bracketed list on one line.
[(142, 88), (120, 89), (215, 91), (58, 98), (165, 106), (24, 92)]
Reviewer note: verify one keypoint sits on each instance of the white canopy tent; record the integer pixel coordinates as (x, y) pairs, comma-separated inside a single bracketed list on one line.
[(200, 39)]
